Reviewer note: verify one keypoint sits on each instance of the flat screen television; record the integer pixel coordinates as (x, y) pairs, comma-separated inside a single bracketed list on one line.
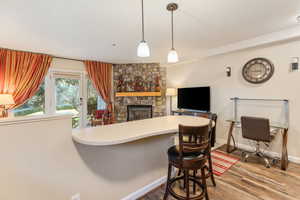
[(196, 98)]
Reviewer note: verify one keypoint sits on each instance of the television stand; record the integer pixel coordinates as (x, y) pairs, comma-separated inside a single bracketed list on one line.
[(212, 116), (188, 112)]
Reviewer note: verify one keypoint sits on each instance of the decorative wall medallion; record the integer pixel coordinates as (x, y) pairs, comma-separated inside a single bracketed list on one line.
[(258, 70)]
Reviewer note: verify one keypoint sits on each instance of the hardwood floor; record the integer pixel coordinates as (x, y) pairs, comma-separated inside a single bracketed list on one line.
[(250, 181)]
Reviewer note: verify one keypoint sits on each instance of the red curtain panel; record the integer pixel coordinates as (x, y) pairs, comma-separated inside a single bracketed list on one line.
[(101, 75), (21, 74)]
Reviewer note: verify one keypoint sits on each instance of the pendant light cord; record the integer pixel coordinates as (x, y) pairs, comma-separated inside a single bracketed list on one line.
[(143, 31), (172, 27)]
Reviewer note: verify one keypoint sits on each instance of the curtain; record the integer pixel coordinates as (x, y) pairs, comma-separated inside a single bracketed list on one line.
[(21, 74), (101, 75)]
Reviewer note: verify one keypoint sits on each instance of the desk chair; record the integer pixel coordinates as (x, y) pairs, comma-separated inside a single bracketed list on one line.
[(257, 129)]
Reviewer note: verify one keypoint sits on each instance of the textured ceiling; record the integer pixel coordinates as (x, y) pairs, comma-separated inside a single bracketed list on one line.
[(86, 29)]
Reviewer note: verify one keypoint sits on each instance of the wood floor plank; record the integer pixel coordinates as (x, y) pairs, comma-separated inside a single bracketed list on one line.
[(249, 181)]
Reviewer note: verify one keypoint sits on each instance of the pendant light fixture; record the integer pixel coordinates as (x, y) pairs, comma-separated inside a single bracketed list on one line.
[(143, 48), (172, 56)]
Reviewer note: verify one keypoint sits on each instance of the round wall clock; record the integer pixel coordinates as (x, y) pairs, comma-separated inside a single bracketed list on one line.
[(258, 70)]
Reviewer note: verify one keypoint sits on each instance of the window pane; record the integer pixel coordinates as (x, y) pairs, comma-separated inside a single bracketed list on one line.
[(34, 106), (67, 98), (94, 101)]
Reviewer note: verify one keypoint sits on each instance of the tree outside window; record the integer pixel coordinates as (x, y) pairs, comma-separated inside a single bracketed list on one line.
[(94, 101), (34, 106)]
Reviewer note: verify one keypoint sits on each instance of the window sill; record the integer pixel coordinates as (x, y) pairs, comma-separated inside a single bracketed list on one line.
[(30, 119)]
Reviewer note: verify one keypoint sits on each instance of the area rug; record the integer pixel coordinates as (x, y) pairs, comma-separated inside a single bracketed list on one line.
[(222, 162)]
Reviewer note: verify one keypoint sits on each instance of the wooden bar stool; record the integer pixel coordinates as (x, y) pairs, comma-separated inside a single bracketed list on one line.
[(212, 130), (189, 155)]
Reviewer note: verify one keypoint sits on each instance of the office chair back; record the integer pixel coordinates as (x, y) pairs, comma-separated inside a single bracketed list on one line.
[(256, 128)]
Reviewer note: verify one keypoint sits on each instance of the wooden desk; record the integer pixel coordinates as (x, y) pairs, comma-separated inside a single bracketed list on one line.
[(284, 154)]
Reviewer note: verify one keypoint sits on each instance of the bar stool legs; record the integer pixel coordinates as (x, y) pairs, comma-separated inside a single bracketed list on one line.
[(186, 181), (204, 183), (194, 185), (187, 178), (210, 169), (168, 182)]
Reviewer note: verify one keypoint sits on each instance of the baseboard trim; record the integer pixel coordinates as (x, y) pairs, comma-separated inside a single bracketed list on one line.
[(144, 190), (272, 154)]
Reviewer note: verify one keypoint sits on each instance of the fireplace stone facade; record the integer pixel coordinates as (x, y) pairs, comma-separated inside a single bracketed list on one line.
[(150, 77)]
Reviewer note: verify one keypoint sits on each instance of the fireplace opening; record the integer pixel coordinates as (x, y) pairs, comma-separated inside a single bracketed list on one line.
[(138, 112)]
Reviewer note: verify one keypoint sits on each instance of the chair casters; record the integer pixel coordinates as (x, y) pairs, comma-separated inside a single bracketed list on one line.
[(266, 160), (245, 156), (275, 161), (268, 163)]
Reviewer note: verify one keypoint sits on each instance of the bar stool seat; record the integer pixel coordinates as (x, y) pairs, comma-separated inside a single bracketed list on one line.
[(174, 155)]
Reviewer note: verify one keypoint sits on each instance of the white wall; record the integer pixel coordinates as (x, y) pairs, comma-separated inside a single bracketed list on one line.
[(40, 161), (65, 64), (283, 84)]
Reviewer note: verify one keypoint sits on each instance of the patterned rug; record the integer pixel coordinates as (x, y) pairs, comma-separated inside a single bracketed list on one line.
[(222, 162)]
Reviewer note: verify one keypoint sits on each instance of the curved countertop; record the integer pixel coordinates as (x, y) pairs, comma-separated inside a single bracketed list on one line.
[(134, 130)]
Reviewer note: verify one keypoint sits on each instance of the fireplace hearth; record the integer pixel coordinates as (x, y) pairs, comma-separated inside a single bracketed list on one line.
[(138, 112)]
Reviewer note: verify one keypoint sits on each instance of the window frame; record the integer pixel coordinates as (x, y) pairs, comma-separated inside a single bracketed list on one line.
[(50, 98)]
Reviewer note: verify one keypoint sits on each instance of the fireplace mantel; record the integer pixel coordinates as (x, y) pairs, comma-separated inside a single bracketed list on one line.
[(138, 94)]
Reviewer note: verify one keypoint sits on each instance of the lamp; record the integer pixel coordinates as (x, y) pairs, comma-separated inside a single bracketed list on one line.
[(5, 99), (171, 92), (143, 49), (295, 64), (172, 56), (228, 71)]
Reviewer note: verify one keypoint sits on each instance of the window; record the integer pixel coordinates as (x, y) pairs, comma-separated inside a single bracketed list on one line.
[(94, 101), (67, 93), (34, 106)]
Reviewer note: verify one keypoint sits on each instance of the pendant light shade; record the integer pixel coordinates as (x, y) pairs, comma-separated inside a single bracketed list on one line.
[(143, 49), (172, 56)]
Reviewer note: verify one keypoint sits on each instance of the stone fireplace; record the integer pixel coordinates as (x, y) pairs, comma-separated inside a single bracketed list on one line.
[(138, 112), (149, 77)]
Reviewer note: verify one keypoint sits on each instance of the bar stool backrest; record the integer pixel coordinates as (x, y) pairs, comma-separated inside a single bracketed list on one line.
[(198, 139), (213, 117)]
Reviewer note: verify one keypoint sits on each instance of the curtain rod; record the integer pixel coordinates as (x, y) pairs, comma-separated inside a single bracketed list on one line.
[(59, 57), (74, 59)]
